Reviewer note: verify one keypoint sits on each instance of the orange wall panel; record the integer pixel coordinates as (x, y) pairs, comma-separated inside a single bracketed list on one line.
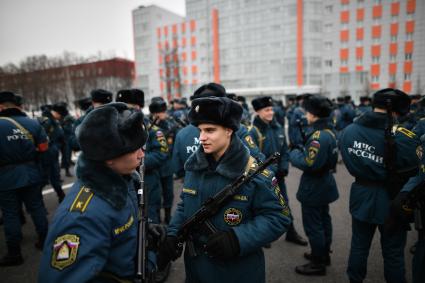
[(407, 86), (184, 42), (183, 27), (410, 26), (158, 32), (360, 14), (408, 66), (410, 6), (343, 53), (394, 29), (343, 69), (374, 86), (194, 69), (359, 33), (174, 29), (395, 8), (408, 47), (393, 48), (376, 31), (359, 68), (344, 35), (193, 55), (193, 40), (359, 52), (376, 50), (392, 68), (345, 1), (377, 11), (192, 25), (375, 69), (184, 56), (166, 31), (345, 16), (216, 45)]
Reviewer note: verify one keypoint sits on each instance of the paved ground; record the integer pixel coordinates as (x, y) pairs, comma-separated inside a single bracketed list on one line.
[(280, 259)]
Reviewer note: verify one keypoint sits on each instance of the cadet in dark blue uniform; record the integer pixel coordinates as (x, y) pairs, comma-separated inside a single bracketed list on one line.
[(344, 114), (258, 214), (364, 105), (56, 139), (60, 113), (362, 146), (98, 97), (419, 128), (317, 186), (22, 144), (187, 139), (246, 115), (297, 122), (158, 110), (279, 112), (155, 155), (405, 208), (93, 236), (269, 136)]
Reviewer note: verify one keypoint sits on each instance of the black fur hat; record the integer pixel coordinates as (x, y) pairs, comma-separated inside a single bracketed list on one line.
[(216, 110), (318, 105), (19, 100), (158, 106), (398, 100), (232, 96), (364, 99), (132, 96), (7, 96), (101, 96), (207, 90), (262, 102), (110, 131), (61, 108), (84, 103)]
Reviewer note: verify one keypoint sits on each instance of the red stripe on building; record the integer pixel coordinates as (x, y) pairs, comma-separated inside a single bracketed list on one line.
[(216, 52)]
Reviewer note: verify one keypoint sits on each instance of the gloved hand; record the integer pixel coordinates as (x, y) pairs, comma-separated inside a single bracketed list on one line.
[(156, 235), (281, 174), (223, 245), (168, 251), (399, 215)]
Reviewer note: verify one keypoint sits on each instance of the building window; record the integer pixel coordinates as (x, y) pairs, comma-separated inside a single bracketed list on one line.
[(344, 26), (328, 63), (329, 9), (393, 58), (344, 63), (344, 79), (376, 40), (410, 17), (392, 78), (393, 38), (359, 61), (375, 79), (375, 59), (376, 21), (328, 45), (359, 43), (344, 44), (360, 3), (394, 19), (328, 27), (377, 2), (409, 36), (344, 6), (360, 23), (407, 77), (408, 56)]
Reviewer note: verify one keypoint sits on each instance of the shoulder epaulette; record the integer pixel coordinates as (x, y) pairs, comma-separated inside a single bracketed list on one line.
[(252, 165), (82, 200), (316, 135), (406, 132)]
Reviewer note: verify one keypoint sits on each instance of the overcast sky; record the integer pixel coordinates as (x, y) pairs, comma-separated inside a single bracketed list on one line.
[(35, 27)]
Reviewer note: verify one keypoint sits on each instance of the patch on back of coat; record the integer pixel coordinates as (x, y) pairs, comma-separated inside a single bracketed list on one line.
[(65, 249), (232, 216)]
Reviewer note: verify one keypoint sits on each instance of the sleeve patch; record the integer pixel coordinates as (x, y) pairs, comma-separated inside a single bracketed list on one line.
[(285, 208), (65, 250), (249, 141), (419, 152), (316, 135), (124, 227), (315, 144), (82, 200), (312, 153)]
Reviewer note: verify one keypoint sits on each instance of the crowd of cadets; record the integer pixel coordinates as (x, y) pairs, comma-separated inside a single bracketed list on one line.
[(315, 125)]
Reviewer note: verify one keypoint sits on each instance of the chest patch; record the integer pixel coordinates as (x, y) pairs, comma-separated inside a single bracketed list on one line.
[(65, 249), (124, 227), (232, 216), (419, 152), (189, 191)]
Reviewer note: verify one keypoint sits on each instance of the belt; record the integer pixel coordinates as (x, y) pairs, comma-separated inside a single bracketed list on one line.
[(368, 183)]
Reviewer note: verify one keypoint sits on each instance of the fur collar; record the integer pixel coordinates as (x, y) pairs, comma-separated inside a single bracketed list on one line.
[(231, 165), (372, 120), (322, 123), (262, 125), (104, 182), (10, 112)]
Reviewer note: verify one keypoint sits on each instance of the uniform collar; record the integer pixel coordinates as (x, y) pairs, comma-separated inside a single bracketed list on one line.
[(263, 125), (231, 165), (322, 123), (10, 112), (372, 120), (103, 181)]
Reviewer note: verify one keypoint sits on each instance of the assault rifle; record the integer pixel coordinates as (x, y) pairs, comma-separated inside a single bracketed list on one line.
[(200, 220)]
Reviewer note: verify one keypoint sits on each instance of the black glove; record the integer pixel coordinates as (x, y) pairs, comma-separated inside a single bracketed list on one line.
[(399, 215), (223, 245), (168, 251), (156, 235), (281, 174)]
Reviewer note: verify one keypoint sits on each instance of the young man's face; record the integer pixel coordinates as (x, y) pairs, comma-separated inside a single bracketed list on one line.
[(56, 115), (214, 138), (266, 114), (127, 163), (310, 118), (161, 116)]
